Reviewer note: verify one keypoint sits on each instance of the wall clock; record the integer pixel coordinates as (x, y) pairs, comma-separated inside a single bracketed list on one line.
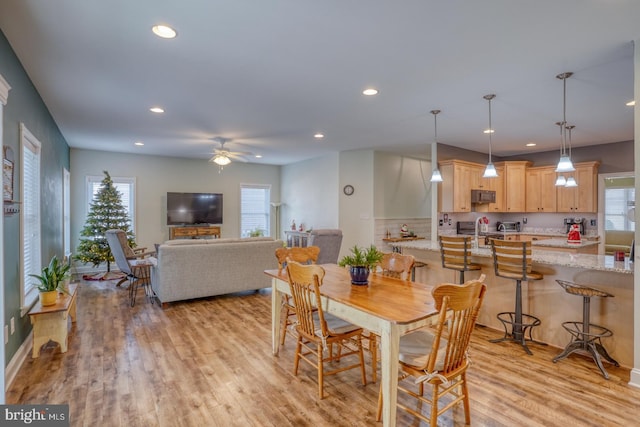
[(348, 190)]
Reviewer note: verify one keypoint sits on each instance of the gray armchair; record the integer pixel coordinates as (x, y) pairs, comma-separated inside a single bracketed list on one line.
[(329, 241)]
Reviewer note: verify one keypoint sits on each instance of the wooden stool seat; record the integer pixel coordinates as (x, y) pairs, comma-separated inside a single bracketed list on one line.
[(586, 336)]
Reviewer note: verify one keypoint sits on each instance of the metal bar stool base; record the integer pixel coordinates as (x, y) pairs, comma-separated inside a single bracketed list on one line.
[(587, 343), (519, 329)]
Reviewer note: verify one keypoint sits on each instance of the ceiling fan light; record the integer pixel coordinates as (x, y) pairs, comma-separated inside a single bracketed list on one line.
[(565, 164), (561, 181), (436, 176), (221, 160), (571, 182), (490, 171)]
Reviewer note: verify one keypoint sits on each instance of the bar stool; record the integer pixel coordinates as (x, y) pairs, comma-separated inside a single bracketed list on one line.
[(586, 336), (512, 260), (417, 264), (455, 252)]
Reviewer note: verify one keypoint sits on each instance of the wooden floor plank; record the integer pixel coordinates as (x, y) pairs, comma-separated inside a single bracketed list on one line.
[(209, 362)]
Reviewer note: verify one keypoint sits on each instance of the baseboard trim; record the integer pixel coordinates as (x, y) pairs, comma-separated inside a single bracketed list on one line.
[(635, 378), (17, 360)]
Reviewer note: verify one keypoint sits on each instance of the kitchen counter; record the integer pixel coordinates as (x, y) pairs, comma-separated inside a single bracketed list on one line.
[(544, 298), (589, 261)]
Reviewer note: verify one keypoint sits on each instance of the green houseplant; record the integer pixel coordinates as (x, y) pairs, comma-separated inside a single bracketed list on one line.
[(360, 262), (51, 281)]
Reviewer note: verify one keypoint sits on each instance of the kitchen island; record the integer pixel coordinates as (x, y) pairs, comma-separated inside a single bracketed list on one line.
[(545, 299)]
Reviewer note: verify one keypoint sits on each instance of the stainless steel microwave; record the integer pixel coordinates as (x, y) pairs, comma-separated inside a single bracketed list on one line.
[(483, 196)]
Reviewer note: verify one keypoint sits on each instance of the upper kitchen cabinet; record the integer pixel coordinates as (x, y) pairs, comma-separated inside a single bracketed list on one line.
[(584, 197), (515, 179), (541, 189), (458, 178)]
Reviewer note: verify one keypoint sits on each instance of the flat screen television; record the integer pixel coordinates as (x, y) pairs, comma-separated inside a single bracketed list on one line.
[(194, 208)]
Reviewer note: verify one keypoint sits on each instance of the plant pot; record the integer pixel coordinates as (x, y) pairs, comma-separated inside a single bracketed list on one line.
[(48, 298), (359, 276)]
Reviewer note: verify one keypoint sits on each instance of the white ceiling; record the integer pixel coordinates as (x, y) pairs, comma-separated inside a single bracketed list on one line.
[(270, 74)]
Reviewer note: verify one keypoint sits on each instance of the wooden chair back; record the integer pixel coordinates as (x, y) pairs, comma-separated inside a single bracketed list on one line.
[(305, 282), (305, 255), (459, 306), (511, 259), (455, 251), (396, 265)]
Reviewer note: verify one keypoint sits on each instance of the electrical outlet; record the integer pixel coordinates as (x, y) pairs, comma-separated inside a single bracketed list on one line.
[(441, 223), (593, 222), (13, 325), (524, 220), (6, 334)]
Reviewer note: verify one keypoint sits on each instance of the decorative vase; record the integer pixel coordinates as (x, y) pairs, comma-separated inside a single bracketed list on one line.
[(48, 298), (359, 275)]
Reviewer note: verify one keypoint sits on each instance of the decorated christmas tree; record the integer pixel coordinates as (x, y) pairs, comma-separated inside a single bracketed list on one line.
[(106, 212)]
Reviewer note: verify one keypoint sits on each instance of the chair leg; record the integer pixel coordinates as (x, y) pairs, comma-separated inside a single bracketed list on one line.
[(465, 400), (373, 348), (283, 327), (296, 359), (379, 414), (320, 371), (434, 406), (362, 368)]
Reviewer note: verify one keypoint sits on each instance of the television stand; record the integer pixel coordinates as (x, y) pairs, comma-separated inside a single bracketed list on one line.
[(194, 232)]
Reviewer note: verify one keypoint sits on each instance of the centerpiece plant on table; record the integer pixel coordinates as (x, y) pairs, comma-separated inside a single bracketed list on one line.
[(360, 262)]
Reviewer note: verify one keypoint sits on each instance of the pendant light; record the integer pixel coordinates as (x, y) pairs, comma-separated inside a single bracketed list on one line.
[(490, 170), (564, 164), (561, 181), (436, 176), (571, 182)]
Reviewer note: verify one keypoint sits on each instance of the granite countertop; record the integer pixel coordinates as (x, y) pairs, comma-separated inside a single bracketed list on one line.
[(588, 261), (562, 243)]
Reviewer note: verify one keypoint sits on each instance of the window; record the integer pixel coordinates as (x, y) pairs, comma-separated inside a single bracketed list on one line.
[(254, 209), (125, 186), (619, 208), (30, 215)]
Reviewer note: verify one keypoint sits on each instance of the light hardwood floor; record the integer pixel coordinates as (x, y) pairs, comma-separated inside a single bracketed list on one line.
[(209, 363)]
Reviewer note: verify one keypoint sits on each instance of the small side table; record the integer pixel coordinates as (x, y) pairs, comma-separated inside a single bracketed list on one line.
[(50, 322), (141, 271)]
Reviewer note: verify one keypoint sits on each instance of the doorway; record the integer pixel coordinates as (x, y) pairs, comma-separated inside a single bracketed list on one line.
[(616, 210)]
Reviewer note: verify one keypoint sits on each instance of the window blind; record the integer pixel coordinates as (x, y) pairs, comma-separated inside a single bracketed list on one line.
[(254, 209), (31, 261)]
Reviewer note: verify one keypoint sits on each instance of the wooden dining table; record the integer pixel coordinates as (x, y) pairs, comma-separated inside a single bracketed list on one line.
[(389, 307)]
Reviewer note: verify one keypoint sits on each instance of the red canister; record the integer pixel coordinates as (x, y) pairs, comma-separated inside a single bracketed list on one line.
[(619, 256)]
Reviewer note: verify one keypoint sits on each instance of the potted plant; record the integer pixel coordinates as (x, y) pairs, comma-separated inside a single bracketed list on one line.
[(51, 281), (360, 262)]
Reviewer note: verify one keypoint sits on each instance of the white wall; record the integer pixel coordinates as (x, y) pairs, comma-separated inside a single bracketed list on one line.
[(402, 187), (310, 193), (155, 176)]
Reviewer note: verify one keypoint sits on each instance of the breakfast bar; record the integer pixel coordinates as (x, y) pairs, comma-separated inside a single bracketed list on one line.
[(545, 298)]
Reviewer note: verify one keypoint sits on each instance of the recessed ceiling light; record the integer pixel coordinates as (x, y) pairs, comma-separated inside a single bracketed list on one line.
[(156, 110), (258, 156), (139, 143), (631, 103), (164, 31), (370, 91), (318, 136), (488, 131), (530, 144)]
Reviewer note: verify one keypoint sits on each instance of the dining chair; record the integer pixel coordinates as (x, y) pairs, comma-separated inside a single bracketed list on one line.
[(438, 355), (319, 331), (399, 267), (302, 255)]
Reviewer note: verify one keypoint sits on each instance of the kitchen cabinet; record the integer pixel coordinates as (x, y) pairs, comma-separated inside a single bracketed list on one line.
[(457, 180), (494, 184), (584, 197), (541, 189), (515, 185)]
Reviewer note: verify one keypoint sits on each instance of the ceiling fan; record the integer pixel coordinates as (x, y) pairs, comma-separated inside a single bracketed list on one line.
[(222, 156)]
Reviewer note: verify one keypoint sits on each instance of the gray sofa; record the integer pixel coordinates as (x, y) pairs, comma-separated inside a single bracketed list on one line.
[(188, 269)]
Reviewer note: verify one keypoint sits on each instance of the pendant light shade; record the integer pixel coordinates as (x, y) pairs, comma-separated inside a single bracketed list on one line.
[(561, 181), (571, 182), (564, 164), (436, 176), (490, 170)]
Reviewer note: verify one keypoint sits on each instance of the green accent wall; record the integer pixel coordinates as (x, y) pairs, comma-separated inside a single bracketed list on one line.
[(25, 105)]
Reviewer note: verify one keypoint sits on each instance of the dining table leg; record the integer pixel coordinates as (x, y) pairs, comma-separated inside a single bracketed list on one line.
[(276, 309), (390, 348)]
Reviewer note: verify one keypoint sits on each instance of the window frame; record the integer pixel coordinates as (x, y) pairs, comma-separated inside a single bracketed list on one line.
[(267, 207), (90, 180), (28, 290)]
